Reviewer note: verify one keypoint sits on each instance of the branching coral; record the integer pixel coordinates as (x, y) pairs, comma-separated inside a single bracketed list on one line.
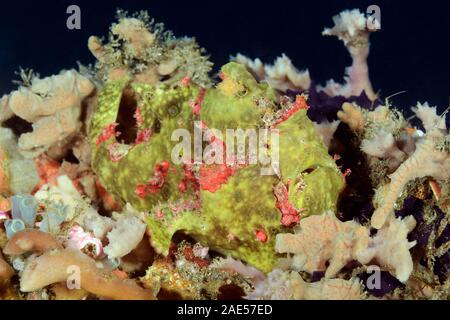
[(317, 240), (143, 50), (383, 146), (92, 279), (383, 136), (285, 285), (53, 105), (390, 248), (322, 239), (427, 160), (351, 28), (282, 75), (368, 124), (429, 117), (352, 115)]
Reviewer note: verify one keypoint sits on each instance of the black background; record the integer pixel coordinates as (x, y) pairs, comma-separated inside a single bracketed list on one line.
[(411, 52), (367, 309)]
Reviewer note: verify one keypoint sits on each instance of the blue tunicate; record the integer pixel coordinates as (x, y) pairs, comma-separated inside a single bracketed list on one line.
[(24, 207), (55, 215), (12, 226)]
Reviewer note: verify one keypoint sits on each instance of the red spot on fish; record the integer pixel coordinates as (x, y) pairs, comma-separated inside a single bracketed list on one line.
[(189, 179), (197, 105), (202, 125), (289, 214), (182, 187), (141, 190), (185, 205), (164, 165), (107, 132), (186, 81), (261, 236), (159, 214), (143, 135), (156, 182), (212, 177), (138, 116), (299, 104)]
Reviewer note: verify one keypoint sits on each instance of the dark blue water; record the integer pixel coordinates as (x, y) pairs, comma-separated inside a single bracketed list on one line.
[(410, 53)]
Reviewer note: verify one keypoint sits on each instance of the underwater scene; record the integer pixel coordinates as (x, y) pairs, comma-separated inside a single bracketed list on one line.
[(300, 152)]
